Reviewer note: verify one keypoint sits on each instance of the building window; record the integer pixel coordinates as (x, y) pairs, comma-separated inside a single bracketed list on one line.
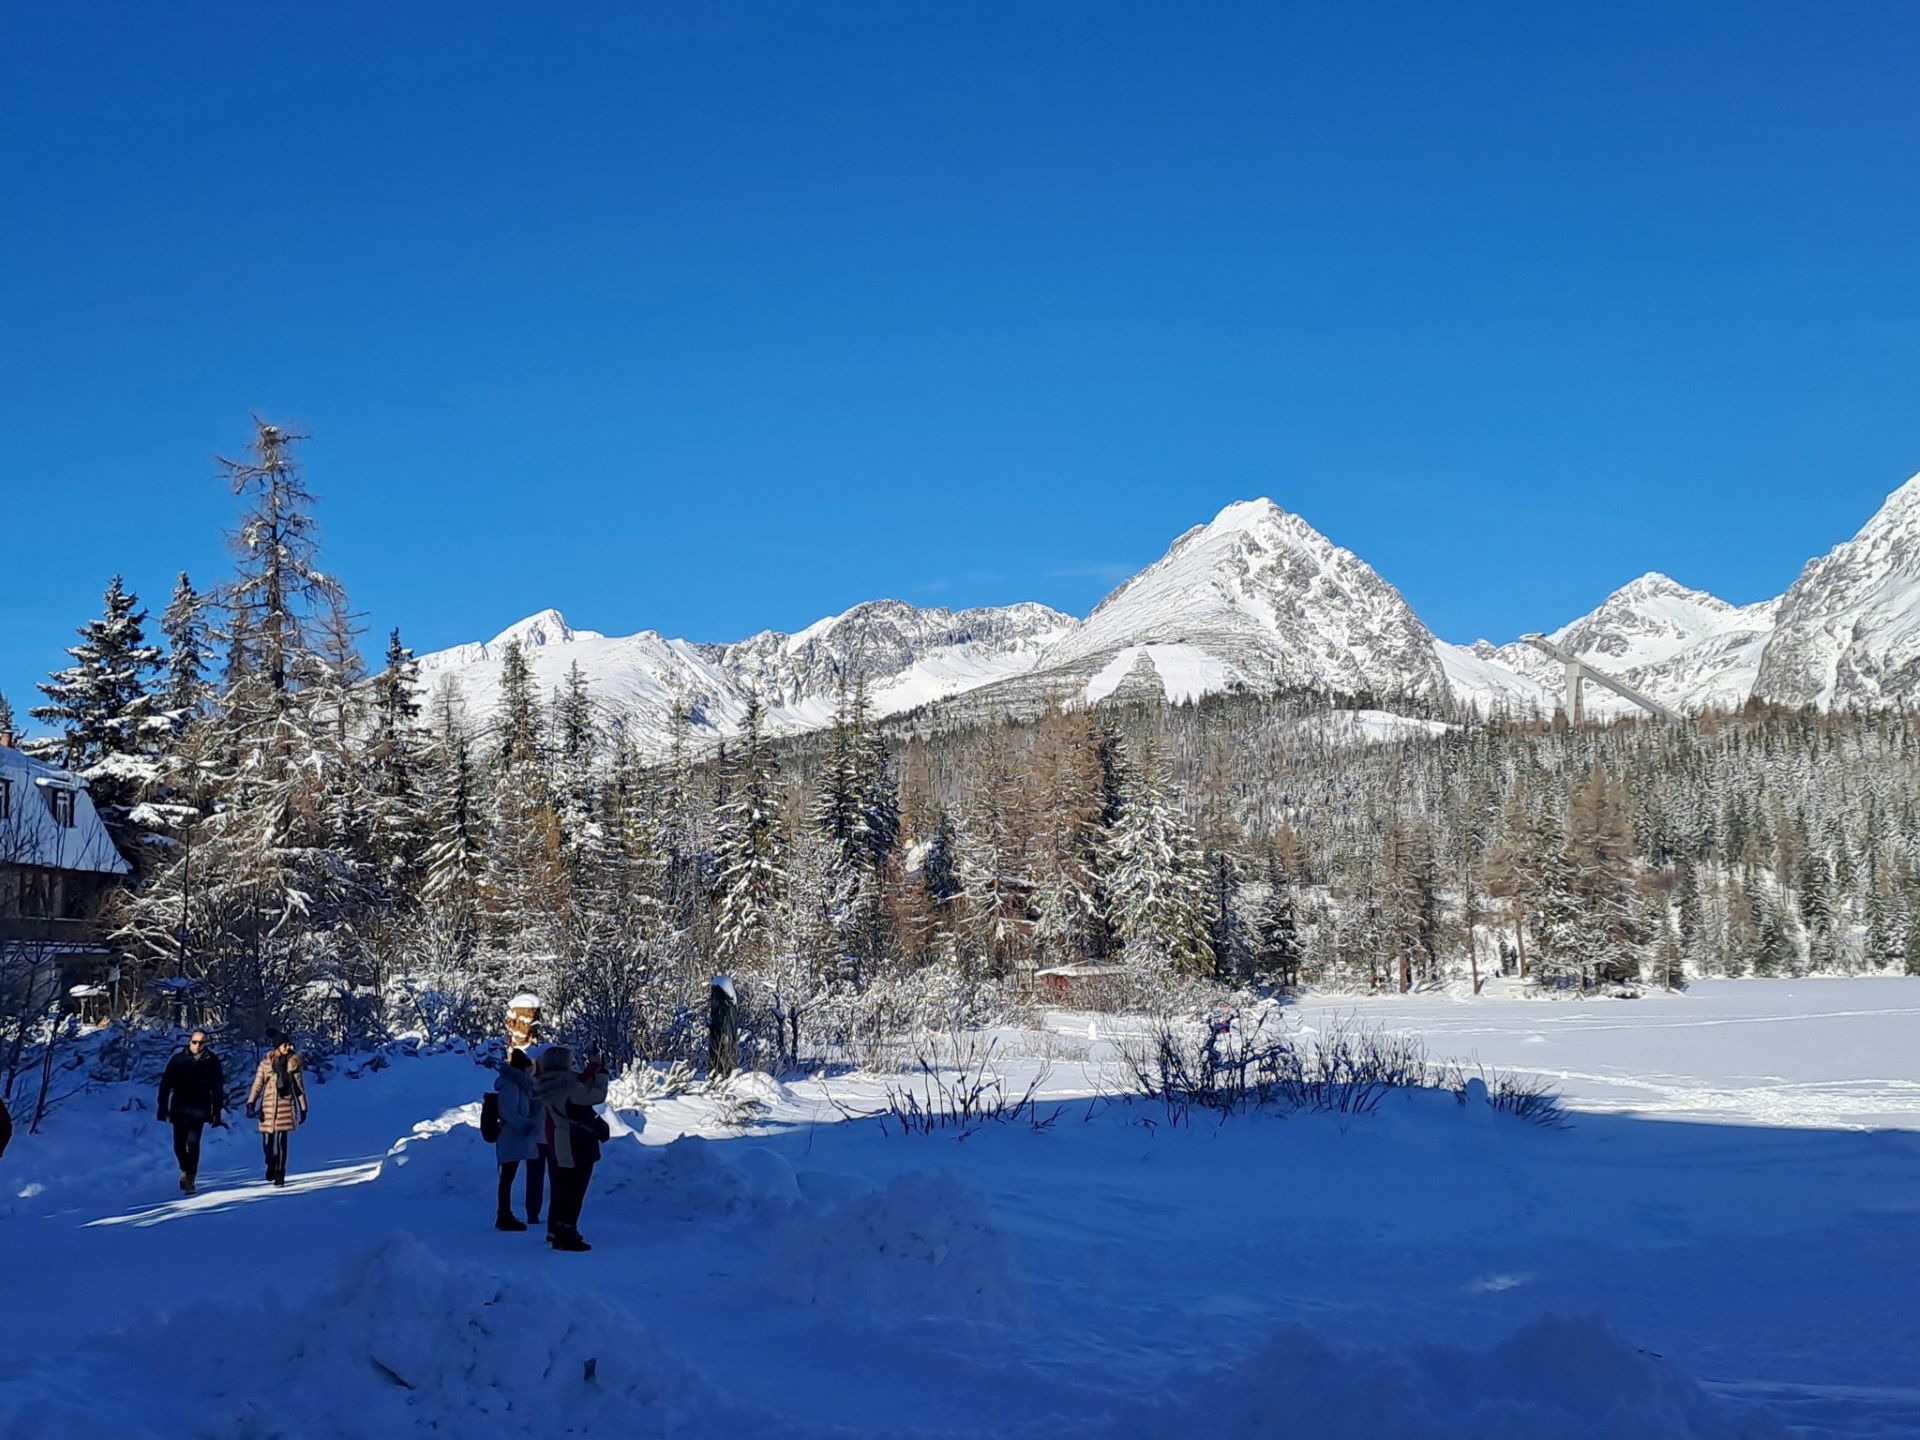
[(63, 808), (6, 799)]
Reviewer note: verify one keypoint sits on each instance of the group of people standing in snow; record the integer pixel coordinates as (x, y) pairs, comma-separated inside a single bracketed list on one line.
[(545, 1116), (193, 1095), (548, 1124)]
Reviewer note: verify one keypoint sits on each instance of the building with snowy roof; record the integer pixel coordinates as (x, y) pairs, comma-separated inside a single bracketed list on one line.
[(57, 862)]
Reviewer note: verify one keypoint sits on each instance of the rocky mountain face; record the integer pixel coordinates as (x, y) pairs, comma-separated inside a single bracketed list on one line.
[(1683, 647), (1848, 630), (1256, 599), (906, 657)]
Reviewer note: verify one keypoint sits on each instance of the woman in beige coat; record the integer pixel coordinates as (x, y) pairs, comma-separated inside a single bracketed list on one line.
[(572, 1137), (279, 1100)]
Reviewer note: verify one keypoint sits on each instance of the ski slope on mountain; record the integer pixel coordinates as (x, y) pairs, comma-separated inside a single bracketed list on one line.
[(1720, 1244)]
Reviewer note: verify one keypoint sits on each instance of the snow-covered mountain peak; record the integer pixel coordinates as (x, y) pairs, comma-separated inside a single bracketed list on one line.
[(1894, 530), (1256, 599), (1645, 621), (1267, 600), (1848, 630), (545, 627), (1654, 588)]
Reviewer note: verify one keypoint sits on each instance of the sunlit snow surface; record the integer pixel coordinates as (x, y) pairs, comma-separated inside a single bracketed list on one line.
[(1723, 1242)]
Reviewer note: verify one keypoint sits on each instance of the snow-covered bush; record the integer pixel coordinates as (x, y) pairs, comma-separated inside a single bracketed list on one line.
[(1266, 1063)]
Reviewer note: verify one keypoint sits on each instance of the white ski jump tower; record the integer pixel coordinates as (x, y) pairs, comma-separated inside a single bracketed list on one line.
[(1579, 672)]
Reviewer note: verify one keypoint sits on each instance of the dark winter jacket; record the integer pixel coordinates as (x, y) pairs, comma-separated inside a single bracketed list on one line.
[(278, 1111), (193, 1087)]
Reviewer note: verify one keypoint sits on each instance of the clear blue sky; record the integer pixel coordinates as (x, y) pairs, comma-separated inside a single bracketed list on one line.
[(715, 317)]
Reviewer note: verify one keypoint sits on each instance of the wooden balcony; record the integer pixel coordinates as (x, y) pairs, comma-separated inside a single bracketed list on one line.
[(68, 935)]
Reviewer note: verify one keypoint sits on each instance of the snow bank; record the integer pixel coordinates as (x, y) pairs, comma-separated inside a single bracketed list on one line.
[(405, 1345), (442, 1157), (686, 1180), (1554, 1379), (923, 1246)]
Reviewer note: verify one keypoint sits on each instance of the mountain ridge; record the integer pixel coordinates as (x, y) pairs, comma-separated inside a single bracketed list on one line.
[(1255, 599)]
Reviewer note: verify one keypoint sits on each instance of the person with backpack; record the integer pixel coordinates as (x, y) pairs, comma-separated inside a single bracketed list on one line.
[(510, 1119), (193, 1095), (574, 1136), (278, 1100)]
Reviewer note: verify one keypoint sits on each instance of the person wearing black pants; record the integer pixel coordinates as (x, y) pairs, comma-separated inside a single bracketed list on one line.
[(193, 1094), (573, 1136), (519, 1141), (279, 1099)]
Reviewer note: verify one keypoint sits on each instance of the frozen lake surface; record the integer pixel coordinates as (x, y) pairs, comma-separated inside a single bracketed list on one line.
[(1724, 1241)]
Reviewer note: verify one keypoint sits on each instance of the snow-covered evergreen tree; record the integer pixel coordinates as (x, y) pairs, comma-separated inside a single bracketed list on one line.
[(1156, 874), (185, 692), (109, 724), (750, 856)]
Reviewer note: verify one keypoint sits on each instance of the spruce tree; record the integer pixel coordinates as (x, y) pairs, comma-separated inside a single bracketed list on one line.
[(1156, 873), (396, 750), (1275, 931), (751, 854), (111, 728), (186, 691), (102, 705)]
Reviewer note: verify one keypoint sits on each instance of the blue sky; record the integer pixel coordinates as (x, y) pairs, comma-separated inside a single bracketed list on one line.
[(710, 318)]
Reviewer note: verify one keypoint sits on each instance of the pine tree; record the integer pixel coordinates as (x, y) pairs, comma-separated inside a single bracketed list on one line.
[(751, 854), (575, 749), (110, 724), (263, 900), (455, 822), (1277, 950), (516, 728), (396, 756), (186, 692), (1228, 936), (1156, 874), (102, 701), (991, 852), (1773, 951), (1067, 803), (279, 587)]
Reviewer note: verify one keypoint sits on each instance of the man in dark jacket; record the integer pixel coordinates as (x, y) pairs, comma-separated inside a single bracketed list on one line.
[(193, 1094)]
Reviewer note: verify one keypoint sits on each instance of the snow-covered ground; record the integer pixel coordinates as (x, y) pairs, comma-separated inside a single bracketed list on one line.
[(1723, 1242)]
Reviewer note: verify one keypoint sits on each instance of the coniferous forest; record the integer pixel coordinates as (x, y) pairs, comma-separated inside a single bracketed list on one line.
[(319, 844)]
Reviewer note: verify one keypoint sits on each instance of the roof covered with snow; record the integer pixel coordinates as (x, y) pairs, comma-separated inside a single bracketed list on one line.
[(31, 832)]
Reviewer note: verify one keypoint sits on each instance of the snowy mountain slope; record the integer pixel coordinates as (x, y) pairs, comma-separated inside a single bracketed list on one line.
[(907, 656), (1681, 646), (1479, 676), (1848, 630), (1256, 599), (1259, 598)]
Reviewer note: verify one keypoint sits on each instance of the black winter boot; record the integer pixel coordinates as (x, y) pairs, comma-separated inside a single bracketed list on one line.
[(506, 1220)]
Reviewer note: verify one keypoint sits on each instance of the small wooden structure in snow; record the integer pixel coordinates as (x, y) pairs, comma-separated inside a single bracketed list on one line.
[(1081, 987)]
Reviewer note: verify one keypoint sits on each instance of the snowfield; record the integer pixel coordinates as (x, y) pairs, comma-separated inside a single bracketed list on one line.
[(1723, 1242)]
